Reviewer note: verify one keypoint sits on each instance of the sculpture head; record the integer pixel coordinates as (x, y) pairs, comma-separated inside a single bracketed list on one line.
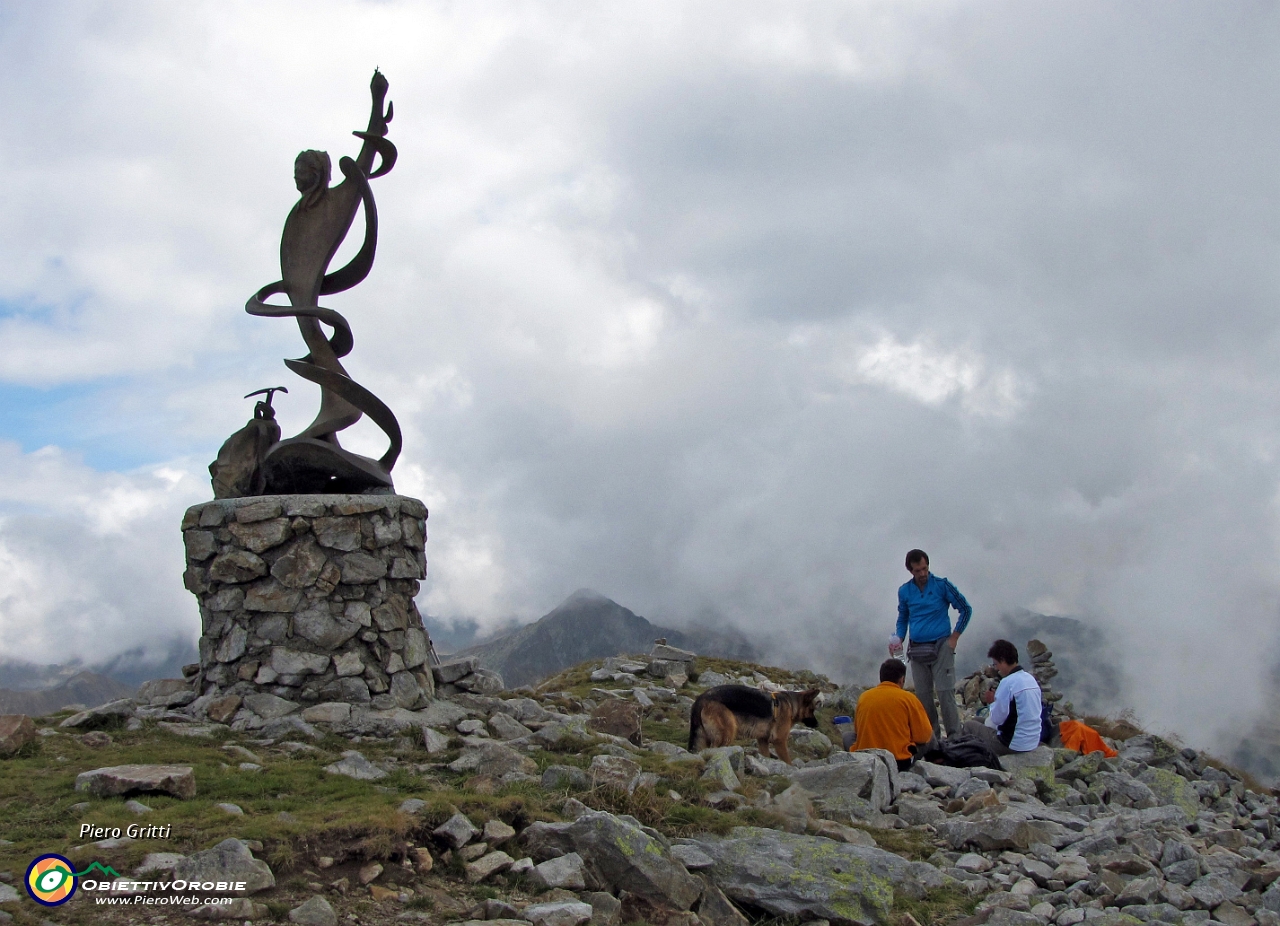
[(311, 173)]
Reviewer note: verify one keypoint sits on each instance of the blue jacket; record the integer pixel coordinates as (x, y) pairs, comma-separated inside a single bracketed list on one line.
[(924, 611)]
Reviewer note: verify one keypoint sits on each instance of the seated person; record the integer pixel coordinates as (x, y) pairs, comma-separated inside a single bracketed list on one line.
[(1014, 722), (890, 718)]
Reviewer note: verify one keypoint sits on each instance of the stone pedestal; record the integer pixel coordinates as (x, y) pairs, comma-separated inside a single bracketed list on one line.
[(308, 599)]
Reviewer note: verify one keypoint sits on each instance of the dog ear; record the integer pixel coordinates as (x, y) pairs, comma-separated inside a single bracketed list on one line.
[(809, 696)]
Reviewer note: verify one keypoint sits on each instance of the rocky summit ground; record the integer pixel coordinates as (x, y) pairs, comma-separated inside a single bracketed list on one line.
[(576, 803)]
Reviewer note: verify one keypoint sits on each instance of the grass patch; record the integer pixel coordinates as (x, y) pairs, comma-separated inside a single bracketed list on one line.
[(937, 907), (914, 845), (327, 814)]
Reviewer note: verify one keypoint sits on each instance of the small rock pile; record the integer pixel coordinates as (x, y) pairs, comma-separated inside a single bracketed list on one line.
[(667, 665), (465, 675)]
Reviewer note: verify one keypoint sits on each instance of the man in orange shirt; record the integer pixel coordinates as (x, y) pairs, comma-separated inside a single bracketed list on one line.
[(890, 718)]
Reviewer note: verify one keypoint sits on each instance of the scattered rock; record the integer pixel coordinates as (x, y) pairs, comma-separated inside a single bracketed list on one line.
[(177, 780), (315, 912), (614, 772), (618, 855), (492, 760), (487, 866), (567, 872), (617, 718), (565, 913), (229, 860), (562, 777), (457, 831), (496, 832), (111, 714), (356, 766), (16, 730), (240, 908), (807, 878)]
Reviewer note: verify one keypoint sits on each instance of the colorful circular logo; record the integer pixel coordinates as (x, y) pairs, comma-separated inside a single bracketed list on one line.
[(51, 880)]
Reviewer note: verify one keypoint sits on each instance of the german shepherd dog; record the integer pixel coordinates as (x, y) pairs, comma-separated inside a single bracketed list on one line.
[(720, 714)]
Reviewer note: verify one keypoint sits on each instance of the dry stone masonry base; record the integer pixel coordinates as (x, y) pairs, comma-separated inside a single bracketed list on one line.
[(308, 600)]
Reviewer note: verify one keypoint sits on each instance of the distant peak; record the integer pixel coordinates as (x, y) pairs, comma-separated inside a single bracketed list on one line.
[(586, 596)]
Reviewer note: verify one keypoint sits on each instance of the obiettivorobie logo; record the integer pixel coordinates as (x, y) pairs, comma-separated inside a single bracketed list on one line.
[(52, 879)]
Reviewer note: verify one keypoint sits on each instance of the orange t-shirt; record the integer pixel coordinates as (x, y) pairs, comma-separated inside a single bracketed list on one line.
[(890, 718)]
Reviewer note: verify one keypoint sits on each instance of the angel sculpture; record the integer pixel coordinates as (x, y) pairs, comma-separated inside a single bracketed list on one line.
[(313, 461)]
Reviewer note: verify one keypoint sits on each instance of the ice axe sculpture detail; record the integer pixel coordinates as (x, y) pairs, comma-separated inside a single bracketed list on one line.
[(238, 469), (313, 461)]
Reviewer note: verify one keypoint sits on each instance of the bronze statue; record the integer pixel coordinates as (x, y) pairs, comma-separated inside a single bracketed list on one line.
[(313, 461)]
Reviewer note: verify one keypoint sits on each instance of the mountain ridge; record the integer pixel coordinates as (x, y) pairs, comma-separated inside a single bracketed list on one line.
[(589, 625)]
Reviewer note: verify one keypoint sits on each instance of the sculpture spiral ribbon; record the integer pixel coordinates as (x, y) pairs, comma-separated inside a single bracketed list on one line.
[(313, 461)]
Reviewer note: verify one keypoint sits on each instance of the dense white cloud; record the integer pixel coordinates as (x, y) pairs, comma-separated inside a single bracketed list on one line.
[(716, 308)]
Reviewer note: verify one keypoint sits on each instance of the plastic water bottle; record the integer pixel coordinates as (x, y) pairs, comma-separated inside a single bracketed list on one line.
[(844, 724)]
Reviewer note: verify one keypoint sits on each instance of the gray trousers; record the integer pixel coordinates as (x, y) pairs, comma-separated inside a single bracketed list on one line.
[(938, 678), (988, 736)]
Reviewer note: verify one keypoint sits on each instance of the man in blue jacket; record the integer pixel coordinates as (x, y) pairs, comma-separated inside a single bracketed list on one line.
[(924, 616)]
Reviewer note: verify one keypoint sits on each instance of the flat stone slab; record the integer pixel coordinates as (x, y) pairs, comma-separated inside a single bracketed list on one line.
[(808, 878), (356, 766), (178, 780), (564, 913), (111, 713)]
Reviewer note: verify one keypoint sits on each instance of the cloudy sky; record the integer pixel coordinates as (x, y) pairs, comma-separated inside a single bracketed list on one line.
[(716, 308)]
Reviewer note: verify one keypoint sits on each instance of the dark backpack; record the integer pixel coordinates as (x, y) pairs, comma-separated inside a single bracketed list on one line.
[(1048, 729), (964, 751)]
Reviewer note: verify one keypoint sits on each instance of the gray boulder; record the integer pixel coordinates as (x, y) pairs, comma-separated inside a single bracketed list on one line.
[(941, 776), (177, 780), (1271, 899), (917, 811), (458, 830), (354, 765), (719, 771), (1124, 791), (1006, 828), (493, 760), (229, 860), (451, 670), (565, 777), (482, 681), (507, 728), (441, 713), (865, 774), (16, 730), (268, 706), (810, 878), (619, 856), (315, 912), (567, 871), (558, 913), (1171, 788), (113, 713), (614, 772)]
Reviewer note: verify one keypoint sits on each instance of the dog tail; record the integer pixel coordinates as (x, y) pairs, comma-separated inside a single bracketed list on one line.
[(695, 724)]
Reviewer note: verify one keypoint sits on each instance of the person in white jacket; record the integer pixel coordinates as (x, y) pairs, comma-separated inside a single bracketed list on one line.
[(1014, 722)]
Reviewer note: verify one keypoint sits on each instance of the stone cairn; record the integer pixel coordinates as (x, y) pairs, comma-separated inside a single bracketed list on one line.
[(308, 599)]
